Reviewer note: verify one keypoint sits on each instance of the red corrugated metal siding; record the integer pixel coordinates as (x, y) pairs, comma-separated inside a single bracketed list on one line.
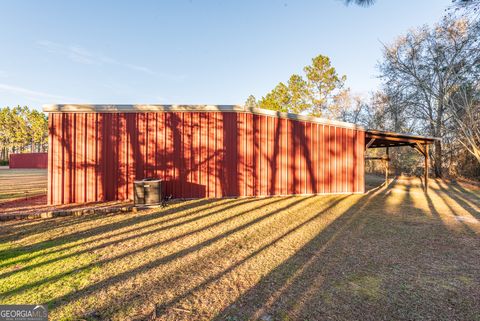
[(28, 160), (97, 156)]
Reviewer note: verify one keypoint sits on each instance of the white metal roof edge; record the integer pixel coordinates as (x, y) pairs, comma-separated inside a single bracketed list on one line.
[(88, 108)]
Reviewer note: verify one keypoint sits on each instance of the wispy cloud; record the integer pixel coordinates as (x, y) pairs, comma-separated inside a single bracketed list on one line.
[(82, 55), (34, 95)]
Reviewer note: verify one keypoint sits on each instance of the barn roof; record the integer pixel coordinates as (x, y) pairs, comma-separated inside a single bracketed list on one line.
[(373, 138), (88, 108)]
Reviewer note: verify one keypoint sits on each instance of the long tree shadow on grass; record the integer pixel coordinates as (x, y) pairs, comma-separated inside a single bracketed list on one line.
[(465, 213), (121, 277), (335, 276), (173, 281), (449, 197), (98, 230), (200, 206), (141, 231), (162, 260), (289, 280), (192, 269), (297, 284), (473, 194), (466, 199), (169, 306), (15, 230)]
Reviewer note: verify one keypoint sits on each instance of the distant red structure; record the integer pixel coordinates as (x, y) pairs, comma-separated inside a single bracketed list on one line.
[(97, 151), (28, 160)]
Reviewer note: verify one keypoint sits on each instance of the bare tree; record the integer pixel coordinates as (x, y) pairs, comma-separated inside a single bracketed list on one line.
[(464, 108), (467, 5), (423, 69), (362, 3)]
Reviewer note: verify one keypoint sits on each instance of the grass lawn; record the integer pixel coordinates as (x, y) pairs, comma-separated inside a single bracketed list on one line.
[(21, 183), (392, 254), (23, 192)]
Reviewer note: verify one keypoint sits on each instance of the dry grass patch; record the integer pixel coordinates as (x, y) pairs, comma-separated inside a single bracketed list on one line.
[(21, 183), (23, 194), (391, 254)]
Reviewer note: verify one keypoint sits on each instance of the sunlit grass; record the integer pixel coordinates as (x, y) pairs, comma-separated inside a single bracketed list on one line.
[(286, 258), (18, 183)]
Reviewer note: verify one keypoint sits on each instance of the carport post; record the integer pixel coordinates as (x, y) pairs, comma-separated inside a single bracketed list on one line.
[(387, 166), (426, 167)]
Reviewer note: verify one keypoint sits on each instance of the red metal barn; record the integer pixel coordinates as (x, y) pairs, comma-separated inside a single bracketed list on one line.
[(97, 151), (28, 160)]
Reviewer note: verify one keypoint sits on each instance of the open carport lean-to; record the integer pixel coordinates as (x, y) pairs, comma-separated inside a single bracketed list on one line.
[(385, 139)]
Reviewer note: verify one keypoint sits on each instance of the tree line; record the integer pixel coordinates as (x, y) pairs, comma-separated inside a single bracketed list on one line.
[(22, 130), (430, 85)]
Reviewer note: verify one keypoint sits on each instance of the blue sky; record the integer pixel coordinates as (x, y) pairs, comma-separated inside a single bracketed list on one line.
[(189, 51)]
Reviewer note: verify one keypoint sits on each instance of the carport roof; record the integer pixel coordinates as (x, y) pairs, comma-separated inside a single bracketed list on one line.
[(379, 139)]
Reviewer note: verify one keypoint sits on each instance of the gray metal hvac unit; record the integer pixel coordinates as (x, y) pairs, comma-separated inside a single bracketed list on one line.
[(147, 191)]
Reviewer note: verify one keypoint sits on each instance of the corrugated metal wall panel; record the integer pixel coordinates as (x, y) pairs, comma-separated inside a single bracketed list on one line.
[(28, 160), (97, 156)]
